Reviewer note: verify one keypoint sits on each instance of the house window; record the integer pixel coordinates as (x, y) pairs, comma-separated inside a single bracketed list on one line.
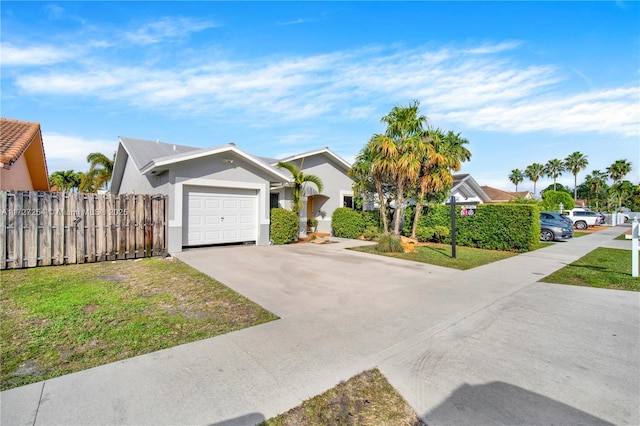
[(274, 201), (347, 201)]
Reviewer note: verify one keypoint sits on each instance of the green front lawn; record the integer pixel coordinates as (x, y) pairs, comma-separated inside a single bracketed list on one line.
[(440, 255), (61, 319), (622, 237), (603, 267)]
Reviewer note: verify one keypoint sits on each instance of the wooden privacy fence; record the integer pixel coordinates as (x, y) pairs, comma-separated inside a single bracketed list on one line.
[(56, 228)]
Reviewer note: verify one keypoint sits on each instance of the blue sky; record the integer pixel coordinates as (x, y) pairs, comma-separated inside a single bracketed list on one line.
[(524, 82)]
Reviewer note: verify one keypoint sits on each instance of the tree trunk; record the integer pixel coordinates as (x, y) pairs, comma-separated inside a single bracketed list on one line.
[(416, 217), (383, 210), (399, 201)]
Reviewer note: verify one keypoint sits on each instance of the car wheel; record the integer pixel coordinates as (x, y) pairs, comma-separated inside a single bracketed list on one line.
[(546, 235), (581, 225)]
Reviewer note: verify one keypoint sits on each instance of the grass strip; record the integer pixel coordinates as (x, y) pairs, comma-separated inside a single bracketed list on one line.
[(62, 319), (603, 268), (366, 399), (440, 255)]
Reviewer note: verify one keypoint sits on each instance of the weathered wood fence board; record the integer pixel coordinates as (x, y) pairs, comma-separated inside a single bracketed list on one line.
[(45, 228)]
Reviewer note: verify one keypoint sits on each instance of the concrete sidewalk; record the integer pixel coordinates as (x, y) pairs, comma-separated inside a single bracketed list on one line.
[(489, 345)]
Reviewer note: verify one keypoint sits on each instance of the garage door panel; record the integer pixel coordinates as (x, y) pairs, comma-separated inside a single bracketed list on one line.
[(212, 220), (212, 235), (217, 216), (212, 204), (246, 234)]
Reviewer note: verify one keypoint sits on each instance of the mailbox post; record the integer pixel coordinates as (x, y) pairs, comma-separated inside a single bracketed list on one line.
[(453, 227), (634, 247)]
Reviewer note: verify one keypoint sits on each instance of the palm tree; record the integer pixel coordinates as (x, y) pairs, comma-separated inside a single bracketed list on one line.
[(65, 180), (617, 171), (575, 163), (443, 154), (623, 189), (596, 182), (369, 179), (553, 169), (534, 172), (87, 183), (100, 169), (299, 179), (516, 177), (402, 149)]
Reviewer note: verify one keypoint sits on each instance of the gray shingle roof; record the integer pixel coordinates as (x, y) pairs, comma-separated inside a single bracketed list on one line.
[(143, 151)]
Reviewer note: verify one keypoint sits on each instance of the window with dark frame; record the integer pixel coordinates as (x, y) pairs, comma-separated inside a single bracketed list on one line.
[(274, 201), (347, 201)]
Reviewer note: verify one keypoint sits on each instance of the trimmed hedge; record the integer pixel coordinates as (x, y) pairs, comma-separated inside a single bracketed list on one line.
[(284, 226), (510, 227), (552, 199), (347, 223)]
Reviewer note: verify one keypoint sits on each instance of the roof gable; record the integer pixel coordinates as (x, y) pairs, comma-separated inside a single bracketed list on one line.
[(322, 151), (23, 138), (465, 185), (155, 157)]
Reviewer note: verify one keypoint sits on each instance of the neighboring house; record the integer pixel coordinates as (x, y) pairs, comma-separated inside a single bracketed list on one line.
[(499, 196), (464, 188), (467, 191), (23, 165), (223, 194)]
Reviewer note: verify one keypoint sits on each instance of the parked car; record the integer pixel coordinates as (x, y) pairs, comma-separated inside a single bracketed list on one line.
[(582, 218), (551, 230), (559, 217)]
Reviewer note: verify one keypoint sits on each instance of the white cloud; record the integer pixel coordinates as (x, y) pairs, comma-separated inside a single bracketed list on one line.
[(34, 55), (64, 152), (494, 48), (616, 110), (478, 87), (166, 28), (294, 22)]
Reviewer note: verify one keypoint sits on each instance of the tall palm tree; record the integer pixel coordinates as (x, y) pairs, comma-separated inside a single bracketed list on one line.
[(369, 179), (575, 163), (534, 172), (596, 182), (299, 179), (617, 171), (443, 154), (554, 169), (100, 168), (403, 143), (516, 176)]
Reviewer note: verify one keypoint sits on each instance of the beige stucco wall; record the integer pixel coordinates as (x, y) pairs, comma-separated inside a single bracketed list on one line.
[(17, 178)]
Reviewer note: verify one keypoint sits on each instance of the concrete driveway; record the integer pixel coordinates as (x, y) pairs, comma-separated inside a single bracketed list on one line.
[(489, 345)]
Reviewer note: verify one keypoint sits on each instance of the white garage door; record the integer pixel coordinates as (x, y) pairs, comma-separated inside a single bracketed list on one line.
[(219, 215)]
